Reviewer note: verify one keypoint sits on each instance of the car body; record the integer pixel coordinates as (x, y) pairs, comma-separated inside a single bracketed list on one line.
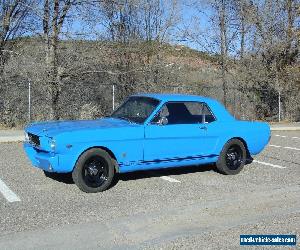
[(156, 131)]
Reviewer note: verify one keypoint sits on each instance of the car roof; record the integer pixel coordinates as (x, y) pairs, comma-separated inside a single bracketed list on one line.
[(176, 97), (217, 108)]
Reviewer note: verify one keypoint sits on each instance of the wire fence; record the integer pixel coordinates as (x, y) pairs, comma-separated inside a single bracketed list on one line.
[(84, 101)]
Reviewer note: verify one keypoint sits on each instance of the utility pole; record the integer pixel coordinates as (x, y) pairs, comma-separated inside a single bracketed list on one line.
[(279, 106), (29, 101), (113, 100)]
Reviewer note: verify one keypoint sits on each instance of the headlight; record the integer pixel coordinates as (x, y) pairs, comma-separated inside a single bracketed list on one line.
[(52, 144)]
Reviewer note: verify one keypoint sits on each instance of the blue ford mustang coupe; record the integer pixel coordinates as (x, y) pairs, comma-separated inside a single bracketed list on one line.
[(148, 131)]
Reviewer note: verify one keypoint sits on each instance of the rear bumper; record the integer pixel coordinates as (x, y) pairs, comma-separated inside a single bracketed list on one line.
[(43, 160)]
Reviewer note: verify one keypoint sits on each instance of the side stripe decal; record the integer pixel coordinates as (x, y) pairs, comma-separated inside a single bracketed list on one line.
[(172, 159), (180, 158)]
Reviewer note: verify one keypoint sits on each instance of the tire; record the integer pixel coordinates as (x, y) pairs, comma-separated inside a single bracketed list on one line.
[(94, 171), (232, 158)]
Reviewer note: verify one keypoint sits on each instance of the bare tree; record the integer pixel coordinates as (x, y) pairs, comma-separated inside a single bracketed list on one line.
[(137, 30), (221, 12), (220, 36), (54, 16), (242, 8), (12, 23), (249, 51), (274, 50)]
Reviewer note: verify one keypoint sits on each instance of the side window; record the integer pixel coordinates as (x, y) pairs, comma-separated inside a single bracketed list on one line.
[(195, 108), (185, 113), (207, 114)]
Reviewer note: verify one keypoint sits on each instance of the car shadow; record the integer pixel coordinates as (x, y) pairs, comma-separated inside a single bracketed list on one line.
[(67, 177), (165, 172), (64, 178)]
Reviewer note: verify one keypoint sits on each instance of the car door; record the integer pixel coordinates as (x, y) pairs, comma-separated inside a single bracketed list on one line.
[(178, 132)]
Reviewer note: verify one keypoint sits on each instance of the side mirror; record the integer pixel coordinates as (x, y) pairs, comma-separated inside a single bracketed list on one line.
[(163, 121)]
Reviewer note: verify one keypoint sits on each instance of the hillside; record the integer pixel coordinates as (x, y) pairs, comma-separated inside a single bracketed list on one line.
[(89, 69)]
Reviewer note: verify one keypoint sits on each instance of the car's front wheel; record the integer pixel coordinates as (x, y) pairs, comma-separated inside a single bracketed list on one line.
[(94, 171), (232, 158)]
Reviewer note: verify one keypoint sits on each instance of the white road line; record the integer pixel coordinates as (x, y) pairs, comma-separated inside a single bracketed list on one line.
[(276, 146), (268, 164), (9, 195), (167, 178), (298, 149), (284, 136)]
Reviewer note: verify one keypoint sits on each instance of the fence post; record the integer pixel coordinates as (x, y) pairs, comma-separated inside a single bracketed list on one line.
[(29, 101), (113, 100), (279, 106)]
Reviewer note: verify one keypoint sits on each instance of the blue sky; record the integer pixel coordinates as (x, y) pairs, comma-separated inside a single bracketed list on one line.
[(192, 17)]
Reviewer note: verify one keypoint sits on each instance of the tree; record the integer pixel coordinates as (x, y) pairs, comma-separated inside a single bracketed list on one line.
[(219, 37), (136, 30), (273, 52), (54, 16), (221, 12), (13, 17), (14, 22)]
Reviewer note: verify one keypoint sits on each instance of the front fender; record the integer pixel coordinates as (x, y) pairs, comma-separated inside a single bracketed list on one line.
[(120, 151)]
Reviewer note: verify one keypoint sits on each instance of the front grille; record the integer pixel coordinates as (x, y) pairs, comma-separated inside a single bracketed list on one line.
[(34, 139)]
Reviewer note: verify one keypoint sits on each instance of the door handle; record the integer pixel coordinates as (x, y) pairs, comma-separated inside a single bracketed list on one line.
[(203, 127)]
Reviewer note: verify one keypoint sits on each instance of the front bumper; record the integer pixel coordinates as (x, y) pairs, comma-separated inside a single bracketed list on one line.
[(41, 159)]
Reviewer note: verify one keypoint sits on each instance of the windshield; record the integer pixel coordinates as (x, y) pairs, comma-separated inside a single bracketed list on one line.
[(136, 109)]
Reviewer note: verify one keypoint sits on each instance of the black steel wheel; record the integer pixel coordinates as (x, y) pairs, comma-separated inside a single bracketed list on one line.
[(232, 158), (94, 171)]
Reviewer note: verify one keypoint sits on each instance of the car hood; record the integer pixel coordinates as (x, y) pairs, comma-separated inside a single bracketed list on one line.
[(52, 128)]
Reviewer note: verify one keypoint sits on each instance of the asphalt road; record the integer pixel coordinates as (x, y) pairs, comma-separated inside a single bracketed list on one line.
[(187, 208)]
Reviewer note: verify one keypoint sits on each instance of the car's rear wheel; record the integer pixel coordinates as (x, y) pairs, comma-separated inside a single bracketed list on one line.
[(232, 158), (94, 171)]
